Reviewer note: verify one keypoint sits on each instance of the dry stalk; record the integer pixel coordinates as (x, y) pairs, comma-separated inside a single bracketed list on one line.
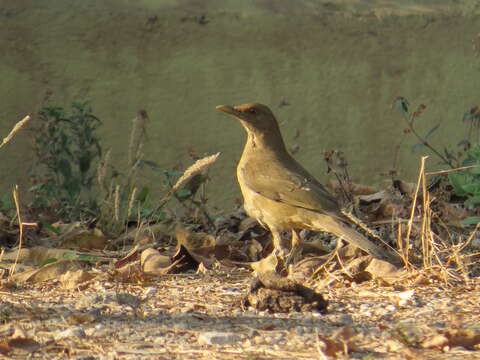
[(20, 226), (131, 201), (15, 129), (415, 197), (137, 138), (102, 172), (426, 233), (117, 203), (442, 172), (197, 167)]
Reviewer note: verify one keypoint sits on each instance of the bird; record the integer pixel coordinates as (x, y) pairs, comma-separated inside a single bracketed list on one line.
[(281, 194)]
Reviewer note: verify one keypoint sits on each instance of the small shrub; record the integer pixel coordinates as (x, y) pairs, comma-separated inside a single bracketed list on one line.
[(66, 148), (466, 184)]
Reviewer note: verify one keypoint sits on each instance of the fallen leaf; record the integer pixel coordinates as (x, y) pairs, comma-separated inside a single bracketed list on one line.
[(48, 272), (72, 279), (153, 262), (384, 270)]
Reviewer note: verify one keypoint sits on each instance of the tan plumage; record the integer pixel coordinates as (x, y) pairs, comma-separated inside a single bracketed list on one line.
[(279, 192)]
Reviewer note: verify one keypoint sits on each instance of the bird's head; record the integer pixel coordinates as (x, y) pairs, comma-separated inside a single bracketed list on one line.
[(254, 117)]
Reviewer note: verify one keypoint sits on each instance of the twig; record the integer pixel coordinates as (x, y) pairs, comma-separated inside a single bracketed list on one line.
[(451, 170), (414, 202), (20, 225)]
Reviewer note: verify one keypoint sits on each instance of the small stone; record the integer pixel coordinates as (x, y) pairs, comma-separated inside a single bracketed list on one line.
[(345, 319), (95, 331), (128, 299), (391, 308), (182, 325), (218, 338), (71, 332), (150, 291), (84, 357)]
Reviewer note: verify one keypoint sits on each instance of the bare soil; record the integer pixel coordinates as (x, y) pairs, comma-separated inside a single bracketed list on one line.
[(168, 319)]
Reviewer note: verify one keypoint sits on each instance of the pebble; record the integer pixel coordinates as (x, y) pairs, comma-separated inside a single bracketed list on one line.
[(98, 330), (218, 338), (345, 319), (150, 291), (71, 332)]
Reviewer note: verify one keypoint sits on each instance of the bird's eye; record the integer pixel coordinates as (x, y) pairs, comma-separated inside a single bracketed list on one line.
[(252, 111)]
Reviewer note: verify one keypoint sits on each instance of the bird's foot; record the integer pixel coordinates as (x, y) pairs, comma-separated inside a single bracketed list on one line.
[(294, 255)]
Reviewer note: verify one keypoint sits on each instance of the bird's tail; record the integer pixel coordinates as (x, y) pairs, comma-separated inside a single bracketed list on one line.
[(336, 227)]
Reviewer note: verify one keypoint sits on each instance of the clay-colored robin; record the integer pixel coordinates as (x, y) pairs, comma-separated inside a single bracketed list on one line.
[(280, 193)]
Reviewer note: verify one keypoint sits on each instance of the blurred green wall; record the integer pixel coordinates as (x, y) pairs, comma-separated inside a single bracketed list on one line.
[(338, 65)]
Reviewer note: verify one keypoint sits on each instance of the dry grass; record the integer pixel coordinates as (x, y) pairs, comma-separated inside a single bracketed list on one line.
[(196, 168), (18, 126)]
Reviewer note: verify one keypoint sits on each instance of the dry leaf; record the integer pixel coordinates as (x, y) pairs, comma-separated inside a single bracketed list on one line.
[(20, 340), (72, 279), (130, 270), (200, 246), (5, 349), (85, 240), (453, 337), (341, 342), (48, 272), (153, 262), (384, 270), (80, 318), (131, 256), (462, 337)]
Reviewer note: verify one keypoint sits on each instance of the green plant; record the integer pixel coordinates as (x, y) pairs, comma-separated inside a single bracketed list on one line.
[(402, 106), (66, 148), (466, 184)]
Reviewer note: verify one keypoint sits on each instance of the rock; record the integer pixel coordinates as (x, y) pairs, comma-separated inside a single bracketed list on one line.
[(71, 332), (218, 338)]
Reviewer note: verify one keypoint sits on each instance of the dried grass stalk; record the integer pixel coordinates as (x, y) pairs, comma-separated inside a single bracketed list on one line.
[(15, 129), (137, 138), (197, 167)]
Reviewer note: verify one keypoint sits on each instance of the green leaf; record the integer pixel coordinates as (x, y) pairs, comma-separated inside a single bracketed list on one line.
[(84, 161), (65, 168), (475, 152), (48, 261), (431, 131), (458, 181), (472, 220), (417, 146), (183, 193), (401, 105), (474, 200), (472, 187), (172, 173), (50, 227), (142, 195), (69, 255), (475, 170)]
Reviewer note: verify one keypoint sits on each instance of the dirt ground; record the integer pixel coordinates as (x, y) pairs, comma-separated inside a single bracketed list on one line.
[(174, 318)]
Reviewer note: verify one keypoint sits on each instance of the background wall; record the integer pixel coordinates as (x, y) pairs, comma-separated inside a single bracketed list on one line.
[(338, 65)]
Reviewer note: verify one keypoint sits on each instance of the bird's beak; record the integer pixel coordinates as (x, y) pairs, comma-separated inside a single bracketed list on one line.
[(228, 109)]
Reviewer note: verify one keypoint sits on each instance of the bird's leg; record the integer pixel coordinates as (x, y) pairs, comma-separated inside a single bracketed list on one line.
[(280, 248), (296, 250)]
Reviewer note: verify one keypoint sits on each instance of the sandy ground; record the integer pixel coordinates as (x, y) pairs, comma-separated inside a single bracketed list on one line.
[(174, 318)]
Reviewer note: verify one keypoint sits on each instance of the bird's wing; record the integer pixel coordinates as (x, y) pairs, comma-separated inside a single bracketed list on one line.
[(288, 182)]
